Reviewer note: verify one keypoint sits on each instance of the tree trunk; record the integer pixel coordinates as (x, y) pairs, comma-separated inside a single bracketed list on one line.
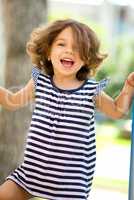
[(19, 18)]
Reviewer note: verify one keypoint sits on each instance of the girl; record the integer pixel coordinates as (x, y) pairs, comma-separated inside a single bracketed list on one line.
[(60, 154)]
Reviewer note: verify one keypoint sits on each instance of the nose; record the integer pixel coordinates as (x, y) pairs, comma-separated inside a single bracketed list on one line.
[(69, 49)]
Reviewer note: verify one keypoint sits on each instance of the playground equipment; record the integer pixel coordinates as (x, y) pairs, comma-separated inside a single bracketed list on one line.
[(131, 174)]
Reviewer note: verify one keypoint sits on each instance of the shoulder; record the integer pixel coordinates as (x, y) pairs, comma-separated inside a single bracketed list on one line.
[(97, 86), (91, 83), (38, 74)]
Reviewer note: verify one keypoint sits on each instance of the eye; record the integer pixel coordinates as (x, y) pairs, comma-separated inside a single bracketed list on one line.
[(61, 44)]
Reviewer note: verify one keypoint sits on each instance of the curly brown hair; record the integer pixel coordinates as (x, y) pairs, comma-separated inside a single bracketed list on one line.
[(42, 38)]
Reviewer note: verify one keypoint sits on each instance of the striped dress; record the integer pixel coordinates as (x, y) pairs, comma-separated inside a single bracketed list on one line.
[(60, 155)]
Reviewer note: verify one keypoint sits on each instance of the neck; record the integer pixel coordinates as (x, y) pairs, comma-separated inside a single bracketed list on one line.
[(58, 77), (66, 82)]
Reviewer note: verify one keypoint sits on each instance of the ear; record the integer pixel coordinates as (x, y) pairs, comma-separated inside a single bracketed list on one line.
[(49, 55)]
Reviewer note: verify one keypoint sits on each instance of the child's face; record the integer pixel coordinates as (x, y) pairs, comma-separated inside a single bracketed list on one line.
[(64, 54)]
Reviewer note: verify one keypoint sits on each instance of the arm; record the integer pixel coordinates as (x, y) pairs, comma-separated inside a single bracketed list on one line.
[(13, 101), (119, 107)]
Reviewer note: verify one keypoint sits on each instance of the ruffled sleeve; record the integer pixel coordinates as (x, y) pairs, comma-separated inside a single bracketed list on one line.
[(35, 74), (101, 85)]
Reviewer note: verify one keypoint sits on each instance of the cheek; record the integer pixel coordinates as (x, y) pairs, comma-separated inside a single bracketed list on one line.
[(54, 53), (54, 59), (81, 63)]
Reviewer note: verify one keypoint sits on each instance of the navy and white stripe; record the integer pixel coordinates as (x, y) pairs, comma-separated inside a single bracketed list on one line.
[(60, 154)]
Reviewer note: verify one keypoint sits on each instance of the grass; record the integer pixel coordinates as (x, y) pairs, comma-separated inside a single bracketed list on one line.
[(108, 136), (108, 133), (112, 184)]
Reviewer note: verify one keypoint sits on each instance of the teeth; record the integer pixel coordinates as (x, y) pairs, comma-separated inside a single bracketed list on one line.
[(67, 59)]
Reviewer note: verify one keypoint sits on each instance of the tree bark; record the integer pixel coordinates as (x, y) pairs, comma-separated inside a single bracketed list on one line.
[(19, 18)]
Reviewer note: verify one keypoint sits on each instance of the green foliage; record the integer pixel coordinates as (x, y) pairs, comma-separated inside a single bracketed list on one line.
[(119, 65)]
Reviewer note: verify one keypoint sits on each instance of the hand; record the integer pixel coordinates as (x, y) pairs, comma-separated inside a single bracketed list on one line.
[(130, 79)]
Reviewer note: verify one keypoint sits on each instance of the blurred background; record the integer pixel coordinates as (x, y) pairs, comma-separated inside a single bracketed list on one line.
[(113, 21)]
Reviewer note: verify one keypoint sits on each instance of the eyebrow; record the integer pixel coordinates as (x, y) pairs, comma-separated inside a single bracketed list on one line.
[(60, 39)]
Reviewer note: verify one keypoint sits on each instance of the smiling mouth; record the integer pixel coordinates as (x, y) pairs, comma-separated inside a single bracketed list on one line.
[(67, 62)]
